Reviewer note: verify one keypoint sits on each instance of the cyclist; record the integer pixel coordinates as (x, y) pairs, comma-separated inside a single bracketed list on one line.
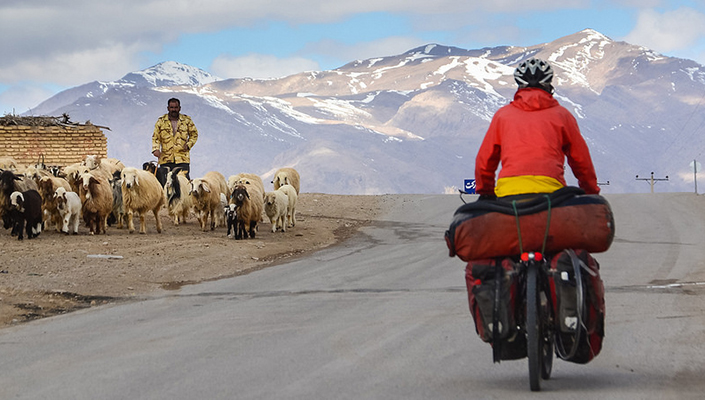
[(531, 137)]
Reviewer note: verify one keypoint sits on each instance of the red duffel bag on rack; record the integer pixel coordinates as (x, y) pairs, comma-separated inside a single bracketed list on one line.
[(567, 218)]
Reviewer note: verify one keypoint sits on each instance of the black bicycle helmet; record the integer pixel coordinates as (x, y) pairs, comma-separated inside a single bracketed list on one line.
[(534, 72)]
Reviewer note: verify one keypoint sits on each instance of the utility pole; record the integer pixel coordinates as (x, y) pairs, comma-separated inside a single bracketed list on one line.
[(652, 180), (696, 168)]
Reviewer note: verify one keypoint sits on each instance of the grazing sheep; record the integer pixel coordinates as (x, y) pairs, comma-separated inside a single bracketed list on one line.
[(47, 187), (26, 207), (249, 211), (286, 176), (178, 201), (206, 192), (118, 214), (141, 192), (293, 198), (276, 205), (69, 206), (159, 172), (97, 200), (231, 219)]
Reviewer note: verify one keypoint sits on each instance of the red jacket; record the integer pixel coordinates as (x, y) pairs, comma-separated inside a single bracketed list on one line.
[(531, 136)]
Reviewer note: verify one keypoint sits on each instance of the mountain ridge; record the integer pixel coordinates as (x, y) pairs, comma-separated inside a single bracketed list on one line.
[(412, 122)]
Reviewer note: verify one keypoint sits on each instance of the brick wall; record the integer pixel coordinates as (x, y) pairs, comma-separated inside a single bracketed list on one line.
[(59, 145)]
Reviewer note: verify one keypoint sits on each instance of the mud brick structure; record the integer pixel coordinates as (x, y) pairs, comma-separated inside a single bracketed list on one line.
[(29, 140)]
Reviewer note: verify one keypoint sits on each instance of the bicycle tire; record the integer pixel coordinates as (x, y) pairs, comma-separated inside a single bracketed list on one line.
[(580, 333), (547, 336), (534, 345)]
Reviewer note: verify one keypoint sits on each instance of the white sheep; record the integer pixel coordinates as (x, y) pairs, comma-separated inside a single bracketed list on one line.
[(205, 192), (178, 201), (68, 205), (286, 176), (293, 198), (276, 206), (141, 192)]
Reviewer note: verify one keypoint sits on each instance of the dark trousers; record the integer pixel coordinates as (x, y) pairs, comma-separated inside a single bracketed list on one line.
[(183, 166)]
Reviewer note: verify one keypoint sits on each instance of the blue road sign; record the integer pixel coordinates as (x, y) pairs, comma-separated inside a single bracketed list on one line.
[(469, 186)]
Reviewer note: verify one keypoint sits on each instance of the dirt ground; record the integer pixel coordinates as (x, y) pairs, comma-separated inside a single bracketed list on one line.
[(57, 273)]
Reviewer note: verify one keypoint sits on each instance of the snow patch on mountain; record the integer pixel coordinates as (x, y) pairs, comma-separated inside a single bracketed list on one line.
[(341, 109), (170, 73), (485, 70)]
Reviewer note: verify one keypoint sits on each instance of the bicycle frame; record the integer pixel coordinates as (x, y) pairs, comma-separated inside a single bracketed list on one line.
[(537, 311)]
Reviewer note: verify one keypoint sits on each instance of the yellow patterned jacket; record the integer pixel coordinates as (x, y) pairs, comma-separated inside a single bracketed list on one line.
[(171, 145)]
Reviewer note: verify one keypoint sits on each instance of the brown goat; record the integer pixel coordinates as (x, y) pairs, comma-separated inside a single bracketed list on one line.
[(248, 209), (47, 188), (97, 198)]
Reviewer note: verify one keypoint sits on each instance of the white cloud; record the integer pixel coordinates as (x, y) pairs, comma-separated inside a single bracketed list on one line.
[(260, 66), (70, 68), (669, 31), (44, 31)]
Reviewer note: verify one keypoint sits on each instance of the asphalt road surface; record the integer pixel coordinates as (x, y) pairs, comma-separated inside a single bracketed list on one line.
[(382, 316)]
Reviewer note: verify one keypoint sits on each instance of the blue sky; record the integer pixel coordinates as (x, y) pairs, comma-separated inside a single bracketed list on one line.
[(52, 45)]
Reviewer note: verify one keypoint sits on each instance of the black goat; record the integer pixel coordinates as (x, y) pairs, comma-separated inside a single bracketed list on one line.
[(159, 172), (231, 218), (26, 207)]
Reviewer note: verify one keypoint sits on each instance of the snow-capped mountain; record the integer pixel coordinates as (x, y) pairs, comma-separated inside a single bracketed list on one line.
[(410, 123), (169, 73)]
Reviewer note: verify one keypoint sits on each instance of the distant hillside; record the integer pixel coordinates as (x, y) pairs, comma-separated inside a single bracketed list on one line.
[(410, 123)]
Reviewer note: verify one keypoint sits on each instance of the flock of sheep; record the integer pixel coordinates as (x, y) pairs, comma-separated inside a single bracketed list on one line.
[(104, 191)]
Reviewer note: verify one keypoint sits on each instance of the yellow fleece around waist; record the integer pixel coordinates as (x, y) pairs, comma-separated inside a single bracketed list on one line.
[(514, 185)]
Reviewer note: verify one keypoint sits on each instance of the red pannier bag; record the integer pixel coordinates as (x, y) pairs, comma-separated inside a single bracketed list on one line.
[(488, 229), (483, 279), (589, 328)]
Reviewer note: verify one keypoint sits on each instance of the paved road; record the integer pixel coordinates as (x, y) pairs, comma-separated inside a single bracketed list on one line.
[(383, 316)]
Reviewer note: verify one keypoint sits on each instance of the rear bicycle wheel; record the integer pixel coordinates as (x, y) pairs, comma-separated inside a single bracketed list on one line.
[(534, 337), (547, 337)]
